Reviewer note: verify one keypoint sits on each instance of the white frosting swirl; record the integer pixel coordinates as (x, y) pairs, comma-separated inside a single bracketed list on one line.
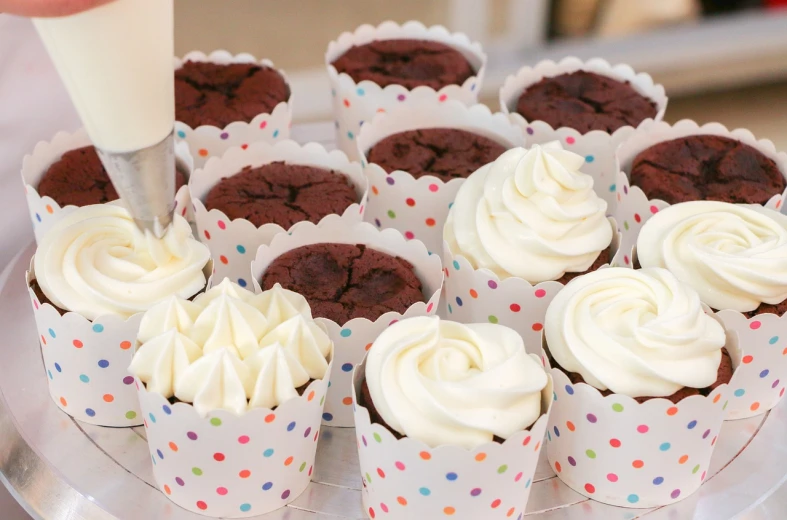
[(173, 313), (217, 381), (733, 255), (229, 323), (163, 359), (635, 332), (95, 261), (446, 383), (531, 214)]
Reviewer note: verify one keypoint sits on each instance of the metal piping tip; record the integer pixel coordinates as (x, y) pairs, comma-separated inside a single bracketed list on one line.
[(145, 180)]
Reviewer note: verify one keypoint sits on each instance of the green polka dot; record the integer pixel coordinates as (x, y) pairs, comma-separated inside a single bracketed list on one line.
[(131, 414), (725, 405), (377, 437), (391, 214), (696, 469), (591, 454), (617, 407), (492, 319), (215, 421), (626, 224), (368, 478), (197, 471), (303, 466), (502, 469), (322, 400)]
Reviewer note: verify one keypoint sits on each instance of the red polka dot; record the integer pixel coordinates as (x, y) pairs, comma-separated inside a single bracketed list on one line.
[(202, 505), (207, 234), (221, 224), (615, 443), (747, 359), (244, 146), (511, 512), (369, 345), (611, 477), (570, 140), (223, 260), (218, 457), (637, 218), (557, 467), (714, 439), (244, 473), (409, 235), (78, 344), (537, 327), (495, 503), (125, 345), (43, 339), (515, 307), (243, 439), (540, 293), (108, 398), (590, 488), (381, 472), (754, 325), (433, 188), (410, 202), (637, 464), (371, 513), (526, 441), (347, 103), (221, 491)]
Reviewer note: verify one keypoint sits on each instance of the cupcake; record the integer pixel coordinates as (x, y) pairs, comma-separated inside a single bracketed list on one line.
[(376, 68), (530, 217), (472, 399), (256, 365), (419, 154), (93, 275), (733, 256), (247, 196), (637, 361), (358, 281), (223, 100)]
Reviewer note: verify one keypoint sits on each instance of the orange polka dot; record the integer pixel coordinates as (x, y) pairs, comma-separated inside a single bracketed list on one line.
[(368, 346), (167, 490), (223, 260), (401, 500), (570, 426), (754, 406), (173, 446), (510, 512), (311, 396), (109, 398), (375, 190), (683, 459), (125, 345), (63, 401), (43, 339), (716, 399), (288, 461), (784, 352), (430, 222), (425, 455), (245, 473), (557, 467), (347, 400), (538, 445), (203, 152), (380, 110), (637, 464), (672, 410), (473, 293), (49, 209), (449, 510), (270, 417), (480, 457)]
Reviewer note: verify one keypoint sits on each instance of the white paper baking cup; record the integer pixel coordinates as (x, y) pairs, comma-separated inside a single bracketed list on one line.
[(419, 207), (406, 479), (208, 141), (230, 466), (86, 362), (479, 295), (621, 452), (356, 103), (634, 208), (233, 243), (353, 338), (44, 211)]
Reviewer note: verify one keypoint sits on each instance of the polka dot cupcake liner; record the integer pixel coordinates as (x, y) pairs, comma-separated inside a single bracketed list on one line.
[(356, 103), (233, 243), (353, 338), (640, 455), (419, 207), (406, 479), (478, 295), (44, 211), (633, 206), (208, 141), (231, 466)]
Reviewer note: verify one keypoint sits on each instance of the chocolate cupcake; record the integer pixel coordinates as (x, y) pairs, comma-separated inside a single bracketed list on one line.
[(445, 153), (706, 167)]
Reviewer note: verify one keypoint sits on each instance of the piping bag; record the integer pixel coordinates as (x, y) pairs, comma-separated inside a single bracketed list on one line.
[(116, 63)]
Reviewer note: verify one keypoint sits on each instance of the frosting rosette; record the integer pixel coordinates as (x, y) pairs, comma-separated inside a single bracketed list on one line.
[(531, 214), (733, 255), (230, 349), (95, 261), (635, 332), (443, 382)]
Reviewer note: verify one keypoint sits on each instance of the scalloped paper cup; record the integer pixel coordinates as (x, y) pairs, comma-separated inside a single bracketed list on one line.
[(634, 208), (87, 362), (478, 296), (419, 207), (352, 339), (234, 242), (208, 141), (356, 103), (231, 466), (620, 452), (406, 479), (44, 211)]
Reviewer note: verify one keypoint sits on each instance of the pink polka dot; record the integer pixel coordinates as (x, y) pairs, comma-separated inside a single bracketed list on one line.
[(409, 235), (263, 125), (433, 187), (626, 259), (754, 325), (612, 477), (570, 140), (654, 209), (221, 224), (221, 491), (642, 428), (399, 466), (442, 97), (383, 507), (540, 293), (243, 439), (429, 307)]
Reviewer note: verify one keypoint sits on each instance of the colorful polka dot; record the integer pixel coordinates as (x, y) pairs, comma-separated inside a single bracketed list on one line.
[(215, 421), (755, 325), (632, 499), (739, 392), (591, 418), (637, 464), (591, 454), (103, 363), (424, 491), (590, 488), (572, 461), (615, 443), (658, 481), (97, 327), (131, 414), (200, 504), (245, 507), (617, 407), (192, 436), (612, 477), (196, 471), (642, 428), (84, 378), (79, 344), (267, 486), (675, 493)]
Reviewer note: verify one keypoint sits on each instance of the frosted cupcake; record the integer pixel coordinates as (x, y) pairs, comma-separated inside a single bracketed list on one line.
[(93, 275), (449, 403), (256, 365)]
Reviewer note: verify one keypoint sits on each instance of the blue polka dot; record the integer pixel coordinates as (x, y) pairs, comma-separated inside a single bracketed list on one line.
[(569, 390), (350, 136), (456, 265), (657, 481), (57, 367), (527, 484), (459, 301), (245, 507), (181, 134), (38, 217), (241, 249), (425, 491), (612, 187), (360, 92), (291, 426), (691, 425), (49, 374), (739, 392), (52, 333), (472, 87), (97, 327), (152, 418), (160, 455), (268, 452), (773, 340), (327, 417), (589, 158), (103, 363), (241, 282), (84, 378), (167, 409), (345, 333), (90, 412), (557, 432), (347, 367), (665, 446), (360, 124), (764, 373), (451, 476), (267, 486), (633, 499), (275, 133)]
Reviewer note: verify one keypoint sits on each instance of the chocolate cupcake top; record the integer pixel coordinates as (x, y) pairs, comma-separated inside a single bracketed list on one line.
[(733, 255), (218, 94), (230, 349), (585, 101), (410, 63), (531, 214), (445, 383), (634, 332)]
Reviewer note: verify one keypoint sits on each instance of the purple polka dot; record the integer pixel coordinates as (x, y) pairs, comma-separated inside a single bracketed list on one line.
[(389, 180), (128, 380), (224, 135), (363, 438), (572, 461), (591, 418), (626, 192), (285, 494), (475, 492), (377, 222), (492, 284), (530, 131), (705, 435), (307, 432), (400, 97), (179, 481), (775, 384), (675, 494), (192, 436)]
